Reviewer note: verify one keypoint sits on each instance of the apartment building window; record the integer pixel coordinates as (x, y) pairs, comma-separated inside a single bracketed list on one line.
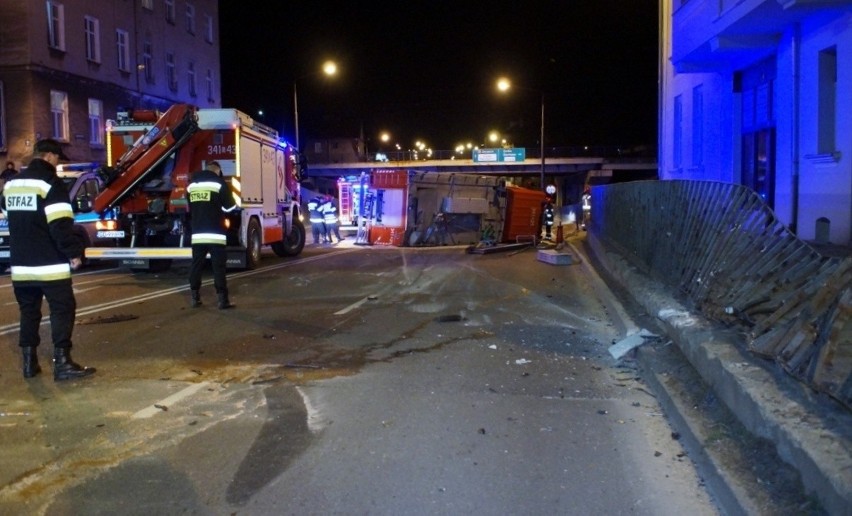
[(170, 11), (171, 73), (209, 84), (122, 47), (827, 102), (96, 122), (148, 62), (697, 126), (93, 39), (59, 113), (56, 25), (190, 78), (208, 28), (677, 133), (148, 4), (190, 18)]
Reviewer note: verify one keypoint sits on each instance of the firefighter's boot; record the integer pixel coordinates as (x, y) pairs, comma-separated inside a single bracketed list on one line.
[(224, 303), (66, 369), (196, 298), (31, 367)]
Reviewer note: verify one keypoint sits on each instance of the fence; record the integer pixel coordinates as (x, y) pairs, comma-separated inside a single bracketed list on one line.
[(722, 248)]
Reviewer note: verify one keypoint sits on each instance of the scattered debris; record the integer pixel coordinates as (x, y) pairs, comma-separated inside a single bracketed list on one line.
[(449, 318), (492, 346), (162, 407), (522, 361), (269, 336), (603, 412), (482, 431), (620, 348), (101, 319)]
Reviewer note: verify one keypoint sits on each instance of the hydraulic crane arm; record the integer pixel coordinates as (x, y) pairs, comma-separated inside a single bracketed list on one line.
[(172, 130)]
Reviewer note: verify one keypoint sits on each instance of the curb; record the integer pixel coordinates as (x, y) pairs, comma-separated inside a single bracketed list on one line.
[(811, 434)]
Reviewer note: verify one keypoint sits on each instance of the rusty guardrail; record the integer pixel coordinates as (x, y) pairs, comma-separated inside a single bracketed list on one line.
[(722, 248)]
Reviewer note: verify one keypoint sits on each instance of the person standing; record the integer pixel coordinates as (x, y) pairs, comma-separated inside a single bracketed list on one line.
[(547, 218), (329, 217), (8, 173), (587, 207), (210, 199), (316, 219), (44, 250)]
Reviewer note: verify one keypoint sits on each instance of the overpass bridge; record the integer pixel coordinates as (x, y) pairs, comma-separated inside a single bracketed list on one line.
[(568, 168)]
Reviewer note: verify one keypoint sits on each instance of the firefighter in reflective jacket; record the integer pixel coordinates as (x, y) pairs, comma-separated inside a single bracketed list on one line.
[(587, 207), (329, 217), (210, 199), (547, 218), (43, 251), (316, 218)]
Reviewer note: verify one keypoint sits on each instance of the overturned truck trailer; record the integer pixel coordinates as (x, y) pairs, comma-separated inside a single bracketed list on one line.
[(408, 208)]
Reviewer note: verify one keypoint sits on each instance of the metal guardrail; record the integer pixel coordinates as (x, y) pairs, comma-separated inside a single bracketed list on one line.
[(720, 246)]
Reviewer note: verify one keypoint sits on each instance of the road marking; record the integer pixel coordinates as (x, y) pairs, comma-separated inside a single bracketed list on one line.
[(82, 312), (171, 400), (353, 306)]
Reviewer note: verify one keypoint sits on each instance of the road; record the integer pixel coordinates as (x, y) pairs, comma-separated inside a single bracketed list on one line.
[(349, 380)]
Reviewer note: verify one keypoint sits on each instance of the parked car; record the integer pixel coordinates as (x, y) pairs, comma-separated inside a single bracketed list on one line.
[(84, 183)]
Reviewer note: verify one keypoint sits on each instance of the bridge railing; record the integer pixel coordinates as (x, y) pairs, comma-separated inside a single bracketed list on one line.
[(720, 246), (576, 151)]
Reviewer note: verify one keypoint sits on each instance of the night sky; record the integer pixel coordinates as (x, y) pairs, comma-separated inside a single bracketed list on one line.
[(427, 70)]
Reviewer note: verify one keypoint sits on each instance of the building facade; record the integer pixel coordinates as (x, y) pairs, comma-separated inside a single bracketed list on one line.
[(759, 92), (67, 66)]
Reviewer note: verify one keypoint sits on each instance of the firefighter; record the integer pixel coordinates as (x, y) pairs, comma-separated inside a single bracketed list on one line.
[(316, 218), (329, 217), (44, 250), (209, 200), (587, 207), (547, 218)]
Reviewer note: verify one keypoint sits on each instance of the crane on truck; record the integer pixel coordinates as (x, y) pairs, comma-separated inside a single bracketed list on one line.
[(150, 156)]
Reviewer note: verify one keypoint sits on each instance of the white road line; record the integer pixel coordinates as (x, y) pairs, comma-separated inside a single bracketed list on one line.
[(353, 306), (171, 400), (10, 328)]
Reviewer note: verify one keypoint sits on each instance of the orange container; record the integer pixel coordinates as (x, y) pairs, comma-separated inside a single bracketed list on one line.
[(523, 212)]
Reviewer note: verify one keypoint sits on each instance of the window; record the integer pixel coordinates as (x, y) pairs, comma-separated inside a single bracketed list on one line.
[(170, 11), (148, 62), (208, 29), (56, 25), (677, 135), (93, 39), (190, 78), (59, 113), (171, 73), (96, 122), (148, 4), (697, 126), (190, 18), (2, 118), (209, 84), (827, 102), (122, 47)]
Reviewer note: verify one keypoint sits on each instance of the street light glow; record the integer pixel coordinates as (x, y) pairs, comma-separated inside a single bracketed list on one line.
[(329, 68), (503, 84)]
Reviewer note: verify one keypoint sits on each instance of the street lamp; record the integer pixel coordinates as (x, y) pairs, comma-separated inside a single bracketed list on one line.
[(329, 68), (503, 85)]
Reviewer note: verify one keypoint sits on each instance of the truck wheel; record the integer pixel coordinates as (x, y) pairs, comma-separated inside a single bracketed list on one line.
[(253, 244), (293, 243)]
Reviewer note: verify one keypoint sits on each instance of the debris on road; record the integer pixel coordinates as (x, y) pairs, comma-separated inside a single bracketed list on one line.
[(620, 348), (101, 319)]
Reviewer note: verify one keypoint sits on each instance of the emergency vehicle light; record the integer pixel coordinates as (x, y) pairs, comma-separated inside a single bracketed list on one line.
[(106, 225)]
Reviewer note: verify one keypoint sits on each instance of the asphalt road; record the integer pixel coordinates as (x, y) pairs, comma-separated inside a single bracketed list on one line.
[(349, 380)]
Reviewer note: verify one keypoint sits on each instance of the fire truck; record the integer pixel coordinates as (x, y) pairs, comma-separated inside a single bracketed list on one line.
[(150, 157)]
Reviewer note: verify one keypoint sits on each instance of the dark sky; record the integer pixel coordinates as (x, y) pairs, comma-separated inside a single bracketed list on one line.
[(427, 70)]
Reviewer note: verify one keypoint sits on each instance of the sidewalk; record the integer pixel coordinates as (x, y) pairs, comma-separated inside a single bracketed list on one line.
[(811, 433)]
